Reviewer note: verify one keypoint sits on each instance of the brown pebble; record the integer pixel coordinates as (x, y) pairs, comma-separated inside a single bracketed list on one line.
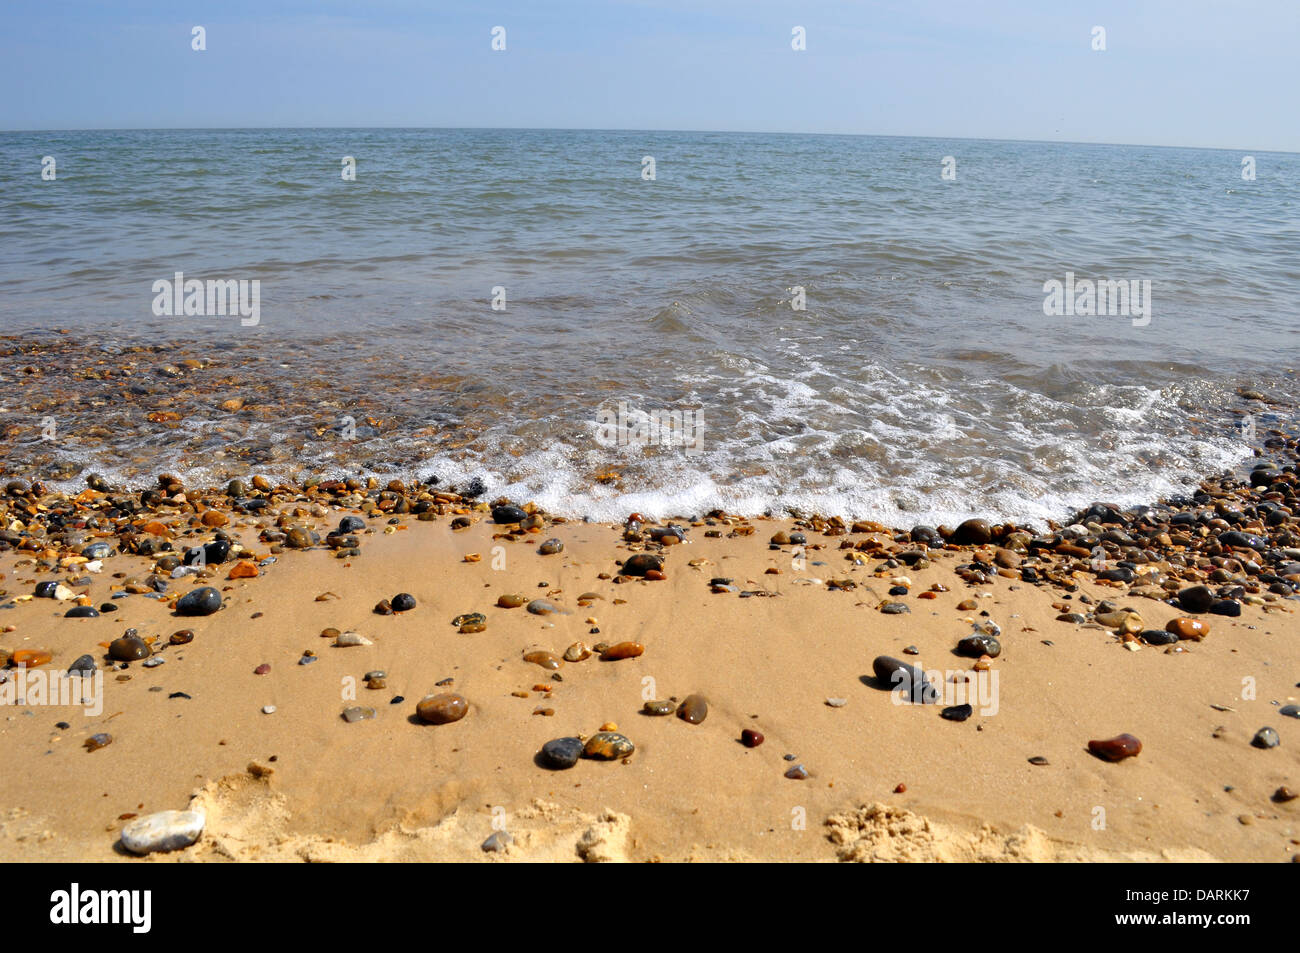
[(1117, 748), (548, 660), (693, 709), (1192, 630), (442, 709), (622, 650), (751, 738), (901, 789), (183, 637)]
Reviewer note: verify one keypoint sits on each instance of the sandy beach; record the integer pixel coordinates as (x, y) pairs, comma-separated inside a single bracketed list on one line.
[(785, 648)]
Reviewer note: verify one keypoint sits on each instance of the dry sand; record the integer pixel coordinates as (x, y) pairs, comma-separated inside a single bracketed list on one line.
[(391, 788)]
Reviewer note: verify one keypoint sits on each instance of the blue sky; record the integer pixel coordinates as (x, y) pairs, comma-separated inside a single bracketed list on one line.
[(1175, 72)]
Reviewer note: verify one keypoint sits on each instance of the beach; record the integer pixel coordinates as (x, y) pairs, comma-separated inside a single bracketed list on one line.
[(777, 623)]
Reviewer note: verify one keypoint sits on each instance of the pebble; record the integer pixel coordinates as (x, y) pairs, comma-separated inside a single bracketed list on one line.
[(898, 675), (357, 713), (85, 665), (797, 773), (551, 547), (203, 601), (1039, 760), (577, 652), (974, 532), (641, 563), (1266, 738), (547, 660), (622, 650), (693, 709), (659, 708), (129, 648), (973, 646), (1291, 711), (1196, 599), (1189, 629), (511, 600), (498, 842), (351, 524), (82, 612), (508, 514), (1117, 748), (442, 709), (561, 753), (751, 738), (957, 712), (541, 607), (351, 638), (894, 608), (1158, 637), (97, 741), (402, 602), (268, 709), (163, 831), (607, 746), (837, 702)]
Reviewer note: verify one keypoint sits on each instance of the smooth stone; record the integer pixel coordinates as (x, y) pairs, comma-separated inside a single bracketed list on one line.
[(577, 652), (164, 831), (551, 547), (957, 712), (608, 746), (1226, 607), (973, 646), (357, 713), (511, 600), (82, 612), (973, 532), (129, 648), (562, 753), (46, 590), (203, 601), (83, 666), (837, 702), (470, 618), (642, 563), (1291, 711), (402, 602), (98, 550), (659, 708), (622, 650), (547, 660), (751, 738), (1196, 599), (508, 514), (910, 679), (97, 741), (351, 524), (217, 551), (1117, 748), (894, 608), (298, 538), (352, 638), (693, 709), (541, 607), (1189, 629), (442, 709), (498, 842), (1157, 637), (797, 773), (1266, 738)]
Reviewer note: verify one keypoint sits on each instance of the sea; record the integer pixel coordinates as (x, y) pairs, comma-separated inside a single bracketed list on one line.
[(903, 329)]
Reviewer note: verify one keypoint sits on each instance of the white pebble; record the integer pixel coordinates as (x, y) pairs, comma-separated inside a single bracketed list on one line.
[(166, 830)]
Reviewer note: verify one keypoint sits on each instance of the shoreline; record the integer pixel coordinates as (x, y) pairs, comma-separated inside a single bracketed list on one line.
[(802, 635)]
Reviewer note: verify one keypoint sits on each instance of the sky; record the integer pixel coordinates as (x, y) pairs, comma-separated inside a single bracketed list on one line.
[(1173, 72)]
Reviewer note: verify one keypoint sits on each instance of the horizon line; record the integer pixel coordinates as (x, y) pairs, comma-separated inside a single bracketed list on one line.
[(723, 132)]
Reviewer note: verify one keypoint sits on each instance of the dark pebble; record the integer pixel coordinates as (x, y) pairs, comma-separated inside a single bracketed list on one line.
[(561, 753), (204, 601)]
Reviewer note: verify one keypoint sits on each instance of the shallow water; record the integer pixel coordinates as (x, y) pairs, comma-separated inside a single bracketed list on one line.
[(922, 383)]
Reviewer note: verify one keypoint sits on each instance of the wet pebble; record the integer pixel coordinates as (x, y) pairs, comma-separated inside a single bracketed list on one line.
[(561, 753), (622, 650), (442, 709), (129, 648), (973, 646), (357, 713), (693, 709), (1266, 738), (751, 738), (607, 746), (551, 547), (957, 712), (1117, 748), (548, 660), (402, 602), (203, 601)]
